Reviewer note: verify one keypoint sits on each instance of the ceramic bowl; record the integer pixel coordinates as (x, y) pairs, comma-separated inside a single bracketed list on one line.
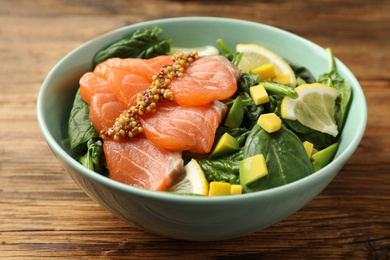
[(192, 217)]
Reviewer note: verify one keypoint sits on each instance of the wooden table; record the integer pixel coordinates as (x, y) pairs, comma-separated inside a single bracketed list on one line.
[(44, 214)]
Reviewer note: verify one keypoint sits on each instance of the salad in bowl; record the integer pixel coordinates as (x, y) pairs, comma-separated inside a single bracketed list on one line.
[(201, 128)]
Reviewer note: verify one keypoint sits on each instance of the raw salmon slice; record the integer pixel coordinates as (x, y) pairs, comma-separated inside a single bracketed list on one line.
[(128, 77), (157, 62), (184, 128), (206, 79), (126, 85), (91, 84), (104, 109), (141, 163), (143, 67)]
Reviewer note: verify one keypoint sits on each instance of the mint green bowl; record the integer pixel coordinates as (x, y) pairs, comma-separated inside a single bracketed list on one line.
[(187, 217)]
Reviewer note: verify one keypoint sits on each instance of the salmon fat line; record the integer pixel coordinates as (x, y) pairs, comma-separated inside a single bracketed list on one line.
[(127, 125)]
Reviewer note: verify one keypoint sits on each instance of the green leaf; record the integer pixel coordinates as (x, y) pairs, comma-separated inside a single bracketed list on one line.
[(285, 157), (83, 138), (226, 168), (246, 81), (80, 128), (144, 43), (302, 73), (273, 106), (251, 112), (95, 149), (220, 170), (86, 161)]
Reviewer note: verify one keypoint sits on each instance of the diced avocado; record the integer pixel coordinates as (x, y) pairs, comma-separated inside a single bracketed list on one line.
[(225, 145), (314, 150), (316, 166), (309, 148), (264, 71), (252, 168), (325, 156), (269, 122), (236, 189), (282, 79), (259, 94), (219, 188), (236, 114)]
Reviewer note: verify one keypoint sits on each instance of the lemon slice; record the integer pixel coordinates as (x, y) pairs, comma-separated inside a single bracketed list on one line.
[(255, 55), (202, 51), (192, 180), (314, 108)]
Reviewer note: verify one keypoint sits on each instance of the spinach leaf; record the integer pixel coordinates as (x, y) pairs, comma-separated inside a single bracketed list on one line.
[(220, 170), (297, 127), (333, 79), (273, 106), (83, 138), (94, 158), (144, 43), (246, 81), (80, 128), (285, 157), (318, 139), (302, 73), (226, 168), (251, 112)]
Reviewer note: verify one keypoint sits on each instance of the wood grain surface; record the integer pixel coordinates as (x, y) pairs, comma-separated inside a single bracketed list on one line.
[(44, 215)]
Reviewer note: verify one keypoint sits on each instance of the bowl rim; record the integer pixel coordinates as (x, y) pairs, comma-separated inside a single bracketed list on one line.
[(163, 196)]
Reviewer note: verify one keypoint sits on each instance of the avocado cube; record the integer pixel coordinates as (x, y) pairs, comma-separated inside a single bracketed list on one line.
[(259, 94), (219, 188), (316, 166), (264, 71), (236, 114), (325, 156), (270, 122), (252, 169), (225, 145)]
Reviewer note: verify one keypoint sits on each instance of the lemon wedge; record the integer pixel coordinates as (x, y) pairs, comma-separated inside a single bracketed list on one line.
[(202, 51), (314, 108), (192, 180), (255, 55)]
